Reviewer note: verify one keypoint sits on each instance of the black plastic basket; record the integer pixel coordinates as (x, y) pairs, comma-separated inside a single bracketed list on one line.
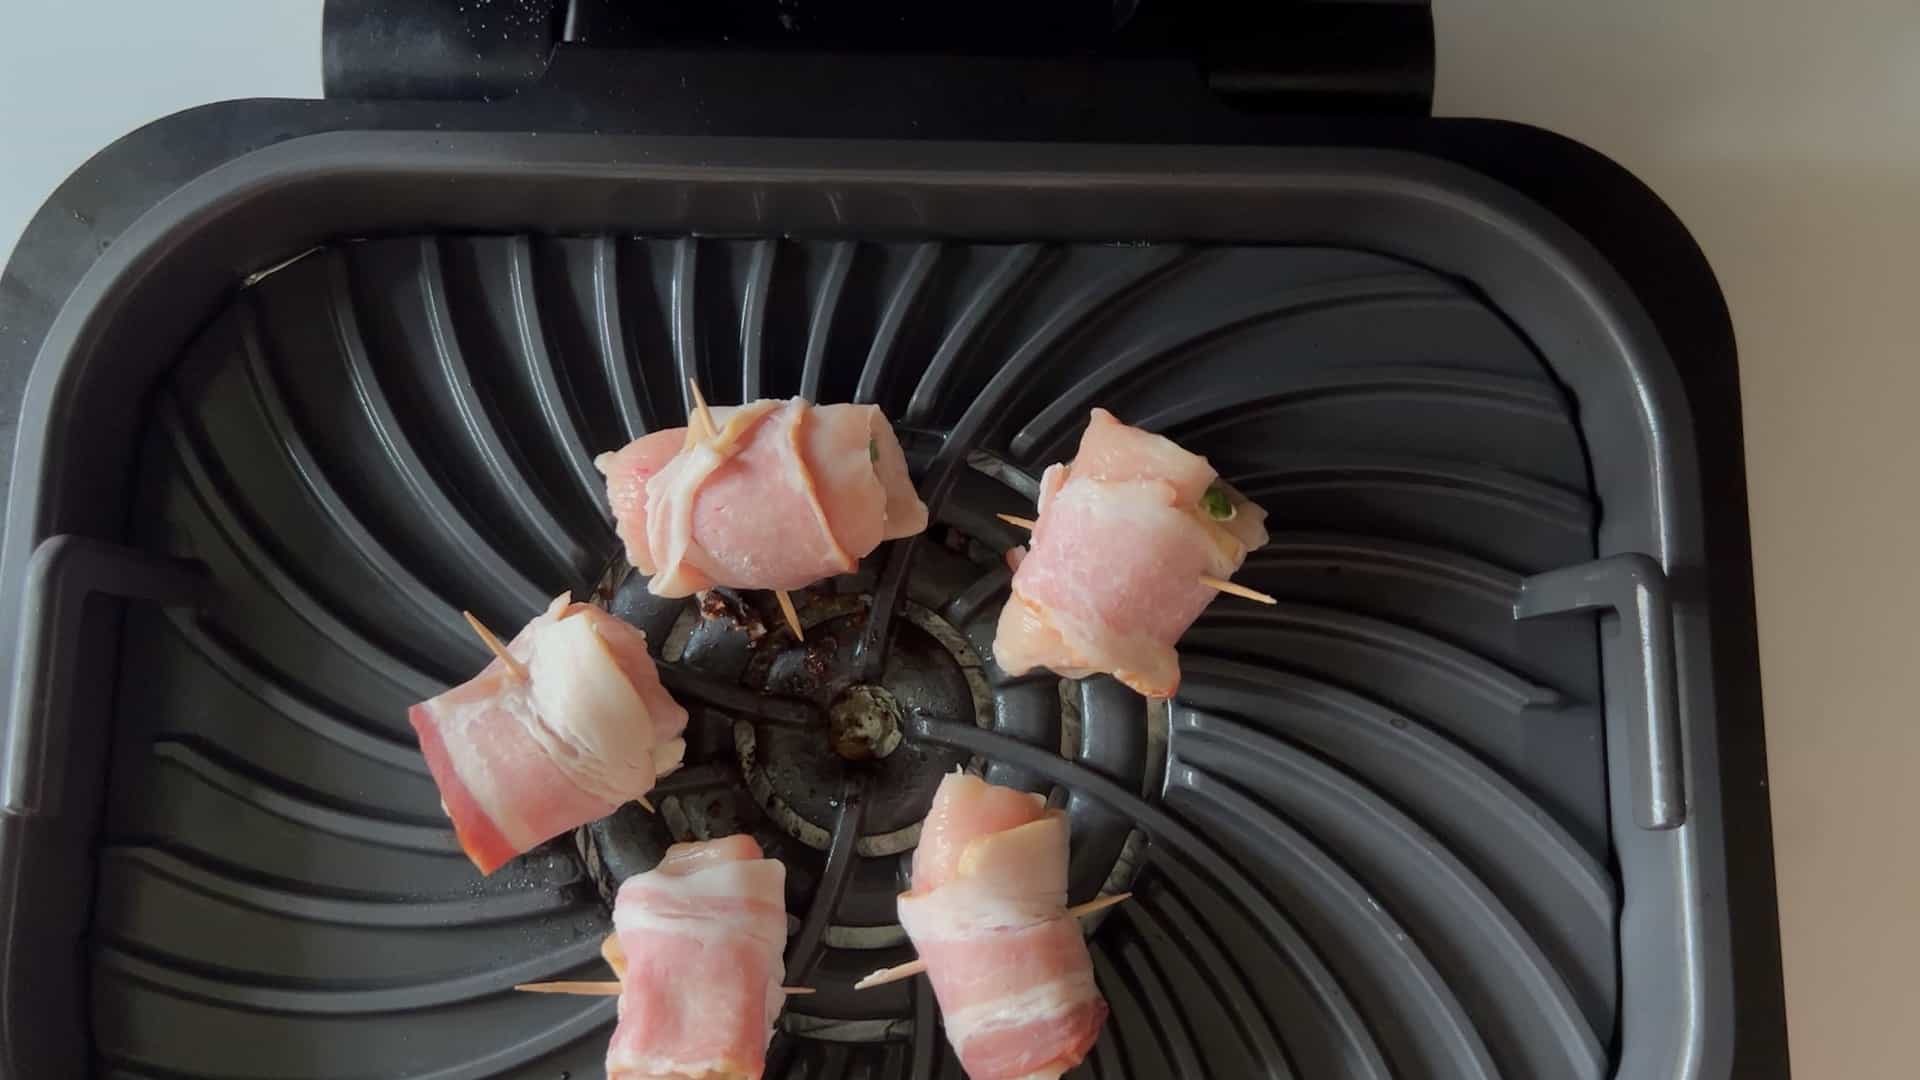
[(1482, 796)]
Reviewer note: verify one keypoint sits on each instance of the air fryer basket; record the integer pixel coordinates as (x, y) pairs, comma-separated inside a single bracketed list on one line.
[(1387, 828)]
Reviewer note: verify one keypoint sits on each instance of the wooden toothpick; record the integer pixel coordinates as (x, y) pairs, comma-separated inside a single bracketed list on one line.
[(1208, 580), (1231, 588), (793, 616), (514, 667), (700, 409), (914, 967), (608, 988)]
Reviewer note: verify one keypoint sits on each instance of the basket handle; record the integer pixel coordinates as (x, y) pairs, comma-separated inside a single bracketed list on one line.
[(1634, 588), (64, 574)]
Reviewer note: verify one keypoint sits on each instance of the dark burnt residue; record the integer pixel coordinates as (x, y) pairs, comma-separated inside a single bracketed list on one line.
[(954, 540), (818, 662), (731, 606)]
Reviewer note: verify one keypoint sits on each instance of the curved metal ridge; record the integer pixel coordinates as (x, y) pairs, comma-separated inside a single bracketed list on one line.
[(1194, 419), (1105, 1060), (1418, 990), (254, 683), (1550, 503), (780, 1051), (891, 589), (1153, 945), (893, 320), (555, 407), (1435, 566), (923, 1030), (235, 530), (1522, 992), (1136, 1030), (986, 304), (1282, 983), (1170, 343), (966, 604), (834, 1059), (1563, 895), (1139, 967), (1028, 709), (826, 304), (232, 990), (610, 332), (803, 950), (584, 1023), (408, 912), (1175, 841), (731, 697), (1256, 1029), (392, 833), (1103, 297), (407, 464), (438, 615), (889, 595), (579, 1025), (1476, 674), (523, 492), (685, 312), (1118, 751), (753, 320), (118, 1069)]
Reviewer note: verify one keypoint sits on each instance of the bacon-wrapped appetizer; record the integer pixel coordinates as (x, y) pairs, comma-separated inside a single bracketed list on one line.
[(568, 726), (988, 916), (698, 943), (1135, 536), (778, 495)]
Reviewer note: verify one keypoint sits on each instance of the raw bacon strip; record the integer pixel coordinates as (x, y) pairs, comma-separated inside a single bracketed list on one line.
[(988, 914), (1111, 581), (521, 761), (786, 493), (700, 937)]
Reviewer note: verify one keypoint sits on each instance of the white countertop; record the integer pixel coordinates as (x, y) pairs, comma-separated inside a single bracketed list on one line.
[(1786, 135)]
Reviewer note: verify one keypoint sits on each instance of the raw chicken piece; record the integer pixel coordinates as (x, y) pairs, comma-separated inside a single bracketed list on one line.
[(1112, 578), (988, 915), (521, 761), (786, 493), (698, 943)]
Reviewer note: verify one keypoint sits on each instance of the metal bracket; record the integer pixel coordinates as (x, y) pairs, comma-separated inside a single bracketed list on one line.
[(63, 574), (1634, 588)]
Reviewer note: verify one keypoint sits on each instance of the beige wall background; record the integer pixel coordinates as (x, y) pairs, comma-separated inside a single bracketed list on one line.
[(1787, 136)]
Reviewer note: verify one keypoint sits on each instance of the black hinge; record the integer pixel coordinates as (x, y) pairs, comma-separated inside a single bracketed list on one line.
[(1321, 57)]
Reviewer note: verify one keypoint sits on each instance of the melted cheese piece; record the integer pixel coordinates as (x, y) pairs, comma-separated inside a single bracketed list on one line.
[(587, 714)]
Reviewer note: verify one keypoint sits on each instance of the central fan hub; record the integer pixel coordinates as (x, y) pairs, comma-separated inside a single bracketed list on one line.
[(864, 723), (817, 748), (798, 773)]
